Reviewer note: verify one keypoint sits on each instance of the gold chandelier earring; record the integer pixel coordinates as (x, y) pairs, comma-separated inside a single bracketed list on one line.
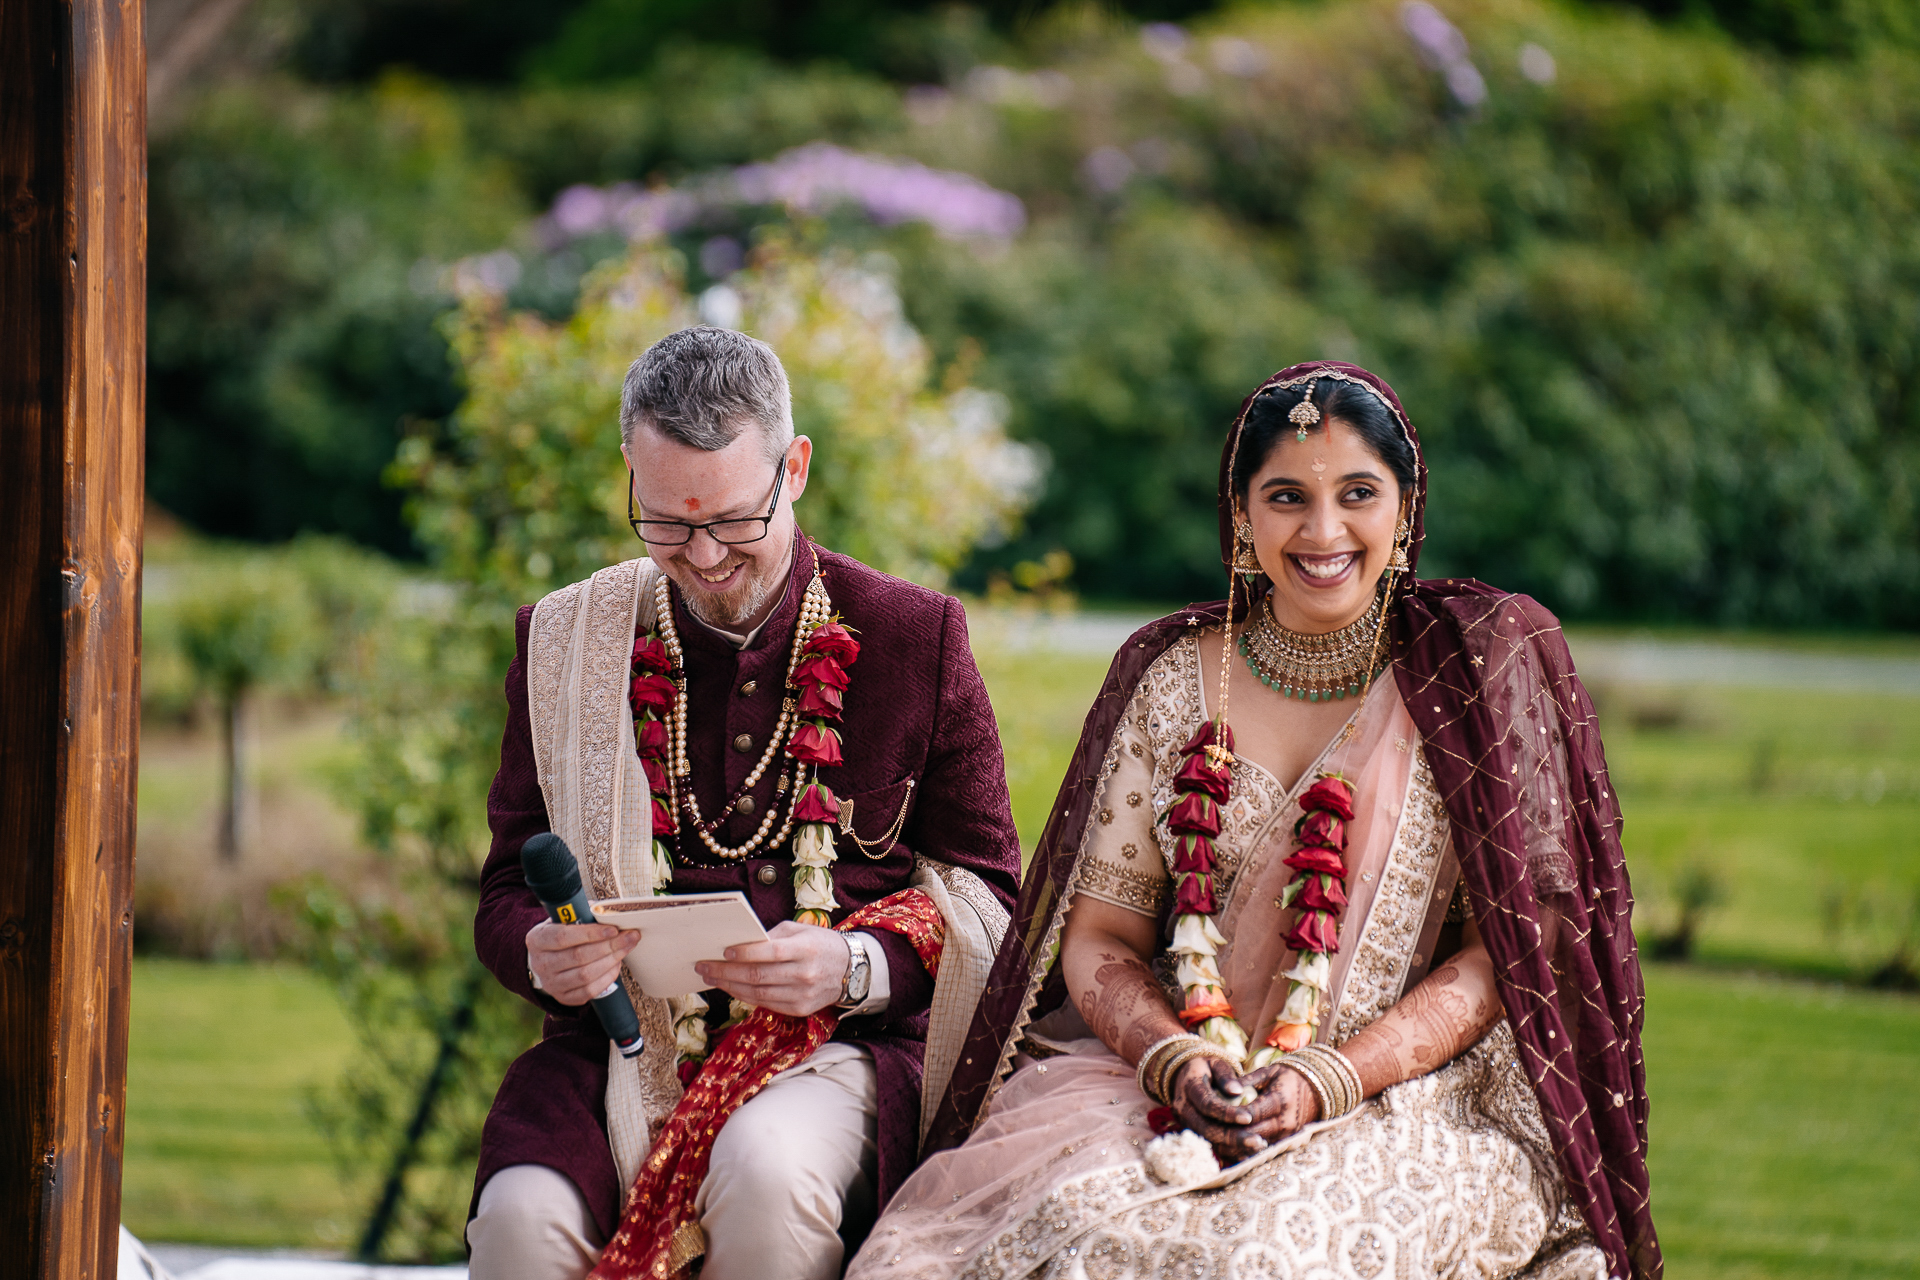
[(1402, 535), (1245, 562)]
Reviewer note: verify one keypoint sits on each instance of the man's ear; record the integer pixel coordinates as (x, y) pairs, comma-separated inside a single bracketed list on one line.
[(799, 462)]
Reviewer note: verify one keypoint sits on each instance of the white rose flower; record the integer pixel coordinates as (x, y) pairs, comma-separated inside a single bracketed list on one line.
[(1227, 1033), (662, 867), (1196, 936), (1313, 969), (1198, 971), (813, 845), (1180, 1159), (737, 1010), (689, 1025), (814, 893), (1301, 1003)]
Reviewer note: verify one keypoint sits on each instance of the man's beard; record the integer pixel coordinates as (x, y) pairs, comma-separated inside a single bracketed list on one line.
[(730, 610)]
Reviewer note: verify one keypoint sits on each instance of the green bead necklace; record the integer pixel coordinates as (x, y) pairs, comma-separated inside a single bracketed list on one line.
[(1312, 668)]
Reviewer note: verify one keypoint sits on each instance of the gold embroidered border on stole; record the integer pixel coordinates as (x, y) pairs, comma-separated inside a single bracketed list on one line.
[(579, 654)]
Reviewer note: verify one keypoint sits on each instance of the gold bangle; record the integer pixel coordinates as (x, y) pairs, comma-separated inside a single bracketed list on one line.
[(1141, 1069), (1305, 1070)]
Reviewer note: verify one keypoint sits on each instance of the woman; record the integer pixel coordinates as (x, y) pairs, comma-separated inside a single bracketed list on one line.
[(1334, 883)]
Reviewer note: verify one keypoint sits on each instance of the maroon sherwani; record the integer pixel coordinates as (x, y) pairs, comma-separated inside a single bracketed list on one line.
[(916, 710)]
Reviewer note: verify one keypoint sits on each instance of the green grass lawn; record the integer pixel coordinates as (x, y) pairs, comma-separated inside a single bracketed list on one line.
[(219, 1147), (1786, 1127)]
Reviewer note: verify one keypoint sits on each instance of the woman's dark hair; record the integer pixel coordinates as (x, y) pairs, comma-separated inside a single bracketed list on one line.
[(1354, 405)]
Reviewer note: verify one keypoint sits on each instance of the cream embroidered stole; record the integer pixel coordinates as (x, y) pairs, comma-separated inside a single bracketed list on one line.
[(579, 657)]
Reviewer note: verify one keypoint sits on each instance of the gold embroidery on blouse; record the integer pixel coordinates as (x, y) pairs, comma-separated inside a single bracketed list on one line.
[(1129, 851), (1134, 799), (1123, 886)]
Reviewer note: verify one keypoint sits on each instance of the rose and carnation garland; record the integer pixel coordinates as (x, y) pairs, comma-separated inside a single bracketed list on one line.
[(816, 683), (1202, 788)]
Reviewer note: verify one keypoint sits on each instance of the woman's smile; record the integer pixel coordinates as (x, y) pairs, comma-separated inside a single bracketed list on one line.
[(1322, 571)]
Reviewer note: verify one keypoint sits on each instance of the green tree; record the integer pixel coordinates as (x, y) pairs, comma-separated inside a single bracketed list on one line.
[(241, 621)]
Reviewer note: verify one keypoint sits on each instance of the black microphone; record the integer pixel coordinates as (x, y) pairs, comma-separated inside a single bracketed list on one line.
[(554, 876)]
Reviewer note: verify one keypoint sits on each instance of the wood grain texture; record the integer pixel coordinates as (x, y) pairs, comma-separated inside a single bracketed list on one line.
[(72, 385)]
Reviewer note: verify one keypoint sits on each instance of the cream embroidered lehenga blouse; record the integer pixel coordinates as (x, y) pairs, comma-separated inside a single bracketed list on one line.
[(1450, 1174)]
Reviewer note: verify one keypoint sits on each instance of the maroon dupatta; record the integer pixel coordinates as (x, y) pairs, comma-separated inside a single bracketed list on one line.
[(1514, 746)]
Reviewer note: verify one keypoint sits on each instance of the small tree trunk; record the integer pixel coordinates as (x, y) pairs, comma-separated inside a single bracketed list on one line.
[(232, 762)]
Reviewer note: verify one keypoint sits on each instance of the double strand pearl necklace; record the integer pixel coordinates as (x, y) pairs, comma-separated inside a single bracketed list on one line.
[(815, 609), (1315, 668)]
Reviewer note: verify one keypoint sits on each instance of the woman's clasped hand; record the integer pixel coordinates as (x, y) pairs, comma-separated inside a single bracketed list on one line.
[(1211, 1099)]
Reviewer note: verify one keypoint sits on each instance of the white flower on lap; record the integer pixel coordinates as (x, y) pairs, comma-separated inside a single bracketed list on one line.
[(1179, 1159)]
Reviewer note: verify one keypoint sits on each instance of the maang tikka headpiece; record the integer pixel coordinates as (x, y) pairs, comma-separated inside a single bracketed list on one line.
[(1305, 414)]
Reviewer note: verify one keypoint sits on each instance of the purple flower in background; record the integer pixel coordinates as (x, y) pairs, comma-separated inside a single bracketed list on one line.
[(821, 176), (1443, 48), (815, 178)]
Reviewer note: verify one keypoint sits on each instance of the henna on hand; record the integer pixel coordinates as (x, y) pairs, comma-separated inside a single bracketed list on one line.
[(1432, 1025)]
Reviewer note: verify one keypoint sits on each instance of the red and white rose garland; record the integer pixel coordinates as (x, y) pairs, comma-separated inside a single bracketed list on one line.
[(817, 683), (1318, 891), (1202, 786)]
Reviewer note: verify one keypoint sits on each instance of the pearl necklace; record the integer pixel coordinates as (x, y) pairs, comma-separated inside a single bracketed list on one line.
[(815, 609), (1315, 668)]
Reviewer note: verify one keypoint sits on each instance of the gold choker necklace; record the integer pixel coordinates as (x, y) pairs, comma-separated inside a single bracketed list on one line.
[(1314, 668)]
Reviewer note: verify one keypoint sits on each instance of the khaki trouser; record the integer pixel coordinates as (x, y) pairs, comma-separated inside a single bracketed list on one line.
[(789, 1170)]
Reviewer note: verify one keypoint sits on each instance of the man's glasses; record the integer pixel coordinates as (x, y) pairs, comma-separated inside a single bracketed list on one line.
[(732, 533)]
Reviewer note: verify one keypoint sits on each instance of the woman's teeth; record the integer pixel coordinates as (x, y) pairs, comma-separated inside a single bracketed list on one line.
[(1324, 567)]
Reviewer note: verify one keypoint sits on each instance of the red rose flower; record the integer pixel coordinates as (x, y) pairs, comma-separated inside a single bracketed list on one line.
[(1193, 853), (1194, 896), (656, 773), (820, 701), (1163, 1121), (816, 744), (652, 692), (662, 817), (1332, 794), (1204, 736), (823, 669), (650, 654), (1321, 893), (833, 640), (1322, 828), (1195, 812), (1324, 861), (650, 738), (816, 804), (1198, 775), (1315, 931)]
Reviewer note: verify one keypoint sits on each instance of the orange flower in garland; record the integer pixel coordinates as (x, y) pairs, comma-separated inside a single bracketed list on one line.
[(1203, 784), (821, 678), (651, 694), (1319, 892)]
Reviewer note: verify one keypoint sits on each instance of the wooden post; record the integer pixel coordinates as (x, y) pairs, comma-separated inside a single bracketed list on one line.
[(72, 408)]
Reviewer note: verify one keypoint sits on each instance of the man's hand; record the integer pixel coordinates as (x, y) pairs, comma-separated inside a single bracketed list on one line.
[(799, 970), (573, 963)]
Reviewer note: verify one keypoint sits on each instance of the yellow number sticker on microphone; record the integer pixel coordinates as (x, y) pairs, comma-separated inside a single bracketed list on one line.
[(565, 913)]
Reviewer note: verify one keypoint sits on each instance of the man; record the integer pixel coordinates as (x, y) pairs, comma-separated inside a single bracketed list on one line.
[(707, 431)]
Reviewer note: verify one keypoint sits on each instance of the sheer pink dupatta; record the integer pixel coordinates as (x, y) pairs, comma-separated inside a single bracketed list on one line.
[(1374, 751)]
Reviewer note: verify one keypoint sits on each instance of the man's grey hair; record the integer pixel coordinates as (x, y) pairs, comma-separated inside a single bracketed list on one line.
[(703, 385)]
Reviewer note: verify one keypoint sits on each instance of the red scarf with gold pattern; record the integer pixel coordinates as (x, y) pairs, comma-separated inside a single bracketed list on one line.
[(658, 1234)]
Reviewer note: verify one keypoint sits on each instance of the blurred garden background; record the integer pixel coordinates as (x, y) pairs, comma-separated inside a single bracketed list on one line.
[(1646, 275)]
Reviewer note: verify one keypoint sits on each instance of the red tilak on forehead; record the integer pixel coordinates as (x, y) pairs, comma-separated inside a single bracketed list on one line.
[(693, 504)]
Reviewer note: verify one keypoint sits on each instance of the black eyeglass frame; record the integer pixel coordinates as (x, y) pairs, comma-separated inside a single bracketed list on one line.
[(765, 522)]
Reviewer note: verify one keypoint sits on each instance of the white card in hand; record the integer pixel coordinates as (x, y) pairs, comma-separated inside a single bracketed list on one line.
[(678, 929)]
